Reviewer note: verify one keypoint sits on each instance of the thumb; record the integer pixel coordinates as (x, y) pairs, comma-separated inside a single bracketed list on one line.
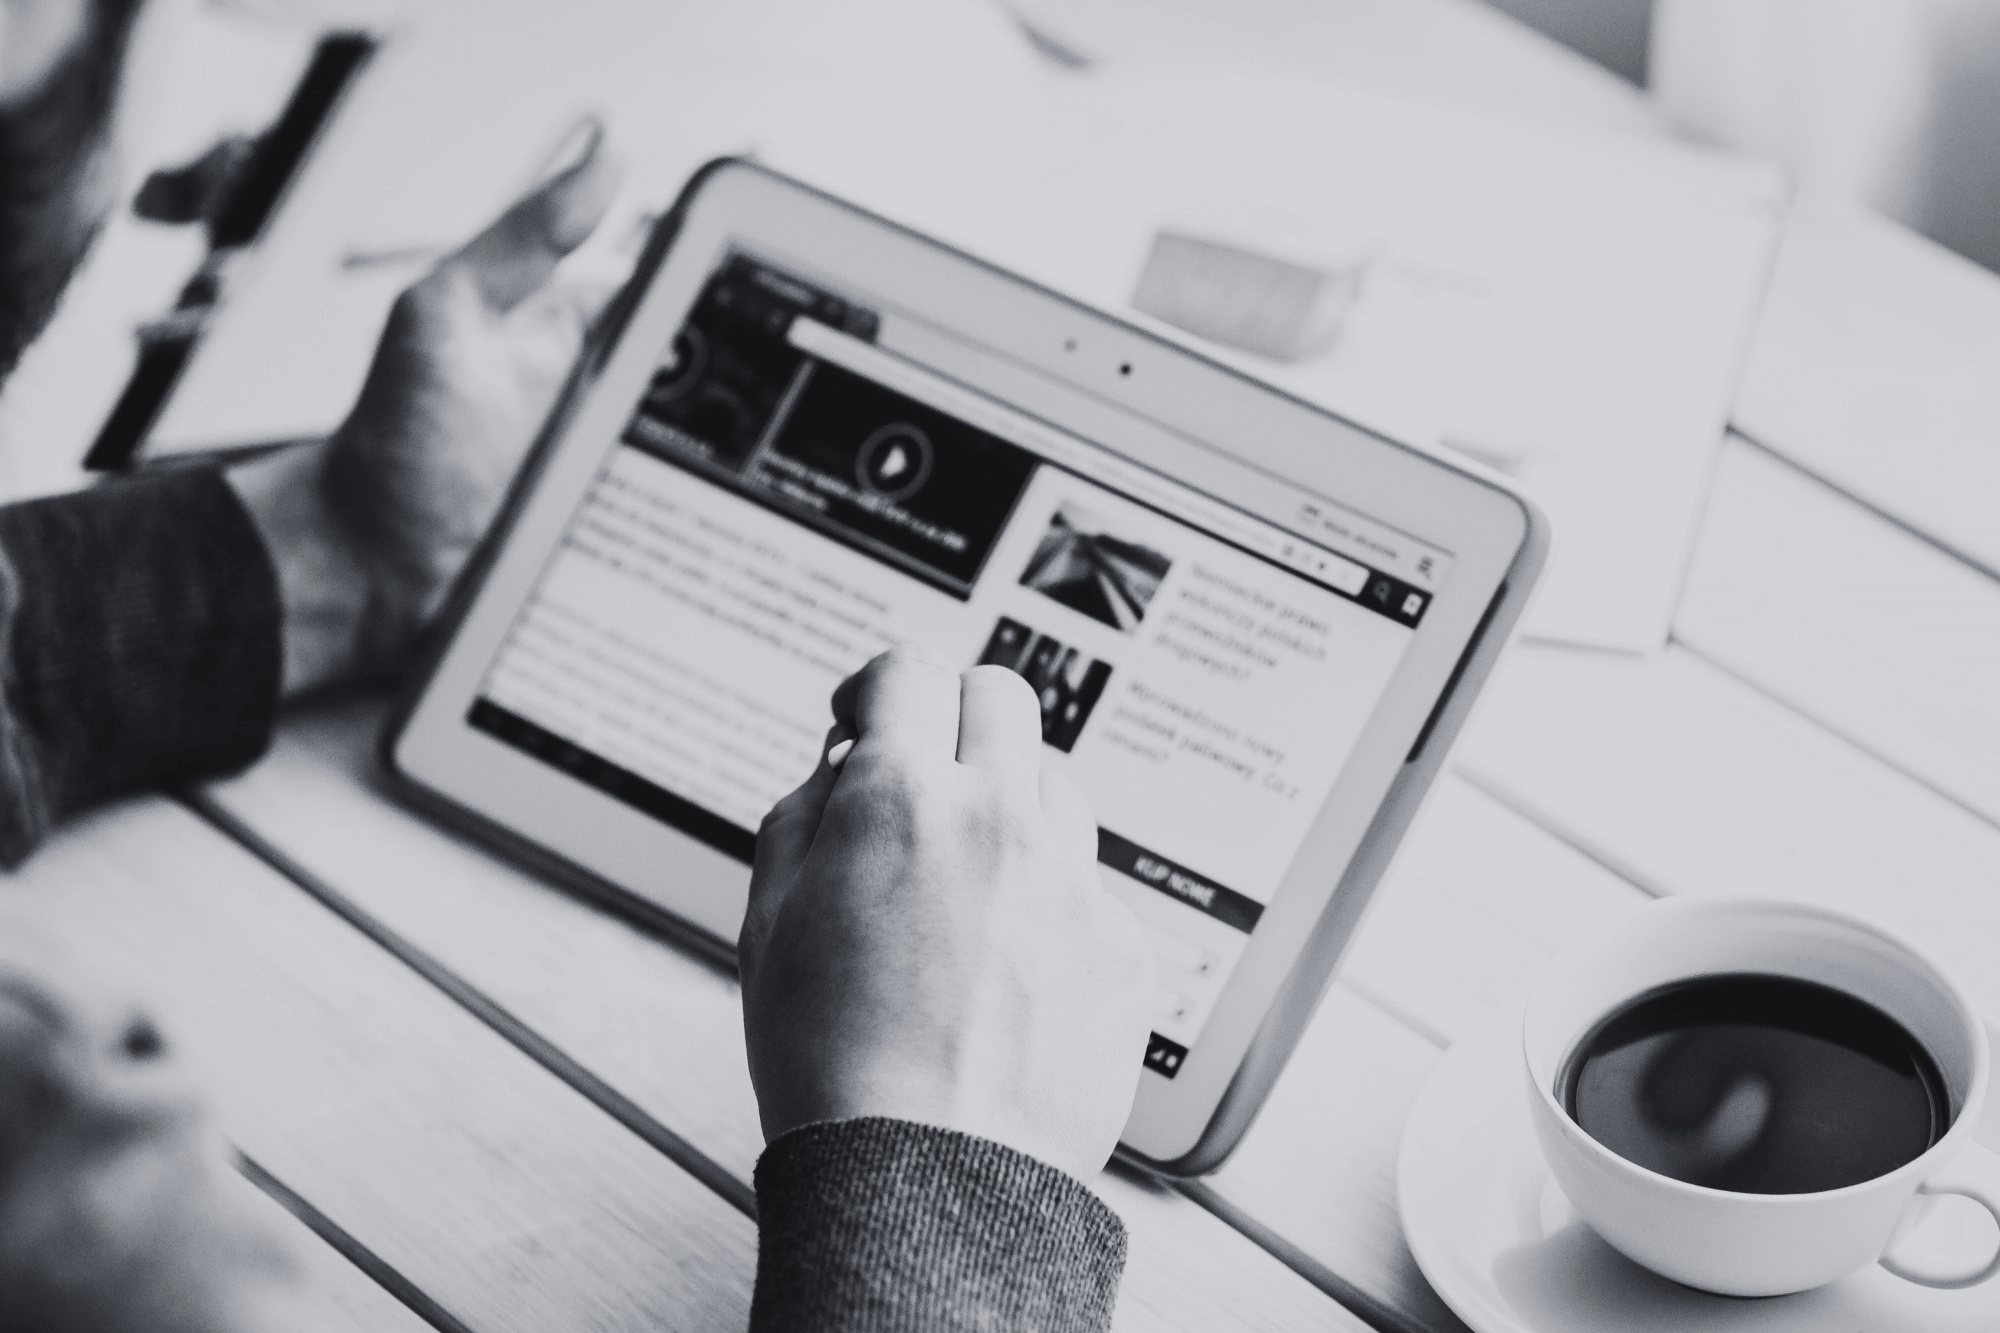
[(513, 258)]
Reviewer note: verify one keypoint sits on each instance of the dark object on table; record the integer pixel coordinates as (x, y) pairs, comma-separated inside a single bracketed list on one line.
[(242, 201)]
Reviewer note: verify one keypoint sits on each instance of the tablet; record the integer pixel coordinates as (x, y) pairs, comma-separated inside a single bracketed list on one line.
[(808, 435)]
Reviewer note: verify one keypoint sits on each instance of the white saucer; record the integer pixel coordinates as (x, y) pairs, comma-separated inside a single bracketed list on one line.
[(1507, 1253)]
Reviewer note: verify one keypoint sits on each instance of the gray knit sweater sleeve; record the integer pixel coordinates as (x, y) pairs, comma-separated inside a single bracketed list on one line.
[(139, 644), (894, 1227)]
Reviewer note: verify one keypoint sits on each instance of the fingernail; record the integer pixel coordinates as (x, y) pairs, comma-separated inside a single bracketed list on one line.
[(578, 142), (581, 189), (836, 754)]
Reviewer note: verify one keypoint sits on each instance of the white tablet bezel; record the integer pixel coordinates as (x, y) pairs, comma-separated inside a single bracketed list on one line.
[(1089, 373)]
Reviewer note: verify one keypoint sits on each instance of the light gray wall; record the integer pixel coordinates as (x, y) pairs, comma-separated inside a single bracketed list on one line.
[(1611, 32), (1958, 157), (1963, 210)]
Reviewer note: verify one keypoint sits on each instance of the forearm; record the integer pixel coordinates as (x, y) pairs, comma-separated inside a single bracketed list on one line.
[(892, 1227)]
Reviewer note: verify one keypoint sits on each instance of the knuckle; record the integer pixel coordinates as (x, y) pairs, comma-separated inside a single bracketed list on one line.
[(887, 785), (1015, 828), (423, 296), (436, 295), (778, 814), (1003, 830)]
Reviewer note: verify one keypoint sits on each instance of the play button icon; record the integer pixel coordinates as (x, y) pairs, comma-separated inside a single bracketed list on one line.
[(894, 462), (891, 465)]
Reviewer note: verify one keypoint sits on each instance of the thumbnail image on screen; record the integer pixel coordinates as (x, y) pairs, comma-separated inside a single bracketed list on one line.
[(1081, 563), (1067, 683)]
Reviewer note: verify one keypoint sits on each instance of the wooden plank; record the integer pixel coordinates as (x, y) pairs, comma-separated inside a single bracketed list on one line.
[(1692, 782), (1869, 630), (1319, 1167), (1873, 366), (492, 1186), (660, 1027), (1689, 781), (1477, 903), (339, 1297)]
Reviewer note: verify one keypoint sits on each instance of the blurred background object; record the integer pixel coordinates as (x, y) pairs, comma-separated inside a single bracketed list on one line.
[(467, 99), (1887, 104), (1566, 306), (1464, 54), (1614, 33), (200, 73), (1890, 104)]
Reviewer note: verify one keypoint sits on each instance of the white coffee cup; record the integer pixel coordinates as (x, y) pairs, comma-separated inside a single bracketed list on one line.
[(1759, 1244)]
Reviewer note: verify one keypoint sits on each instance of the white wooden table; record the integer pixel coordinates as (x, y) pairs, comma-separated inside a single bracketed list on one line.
[(501, 1110)]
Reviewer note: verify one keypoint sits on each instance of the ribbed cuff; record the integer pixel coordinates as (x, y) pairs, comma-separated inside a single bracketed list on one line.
[(891, 1227), (139, 643)]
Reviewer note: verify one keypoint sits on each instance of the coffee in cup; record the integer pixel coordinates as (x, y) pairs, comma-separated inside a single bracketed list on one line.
[(1747, 1096), (1757, 1084)]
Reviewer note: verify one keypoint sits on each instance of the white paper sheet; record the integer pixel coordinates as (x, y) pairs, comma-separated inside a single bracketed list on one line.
[(1570, 308), (916, 107)]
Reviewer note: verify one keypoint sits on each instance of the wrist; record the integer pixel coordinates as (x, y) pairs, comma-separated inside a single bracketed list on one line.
[(326, 594), (888, 1225)]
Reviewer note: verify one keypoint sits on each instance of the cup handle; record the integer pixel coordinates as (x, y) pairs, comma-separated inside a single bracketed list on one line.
[(1975, 1175)]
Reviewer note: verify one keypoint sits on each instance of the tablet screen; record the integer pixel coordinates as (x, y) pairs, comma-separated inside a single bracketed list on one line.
[(794, 494)]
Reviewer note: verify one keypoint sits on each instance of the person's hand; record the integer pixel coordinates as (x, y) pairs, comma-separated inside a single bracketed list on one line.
[(927, 937), (118, 1209), (369, 528)]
